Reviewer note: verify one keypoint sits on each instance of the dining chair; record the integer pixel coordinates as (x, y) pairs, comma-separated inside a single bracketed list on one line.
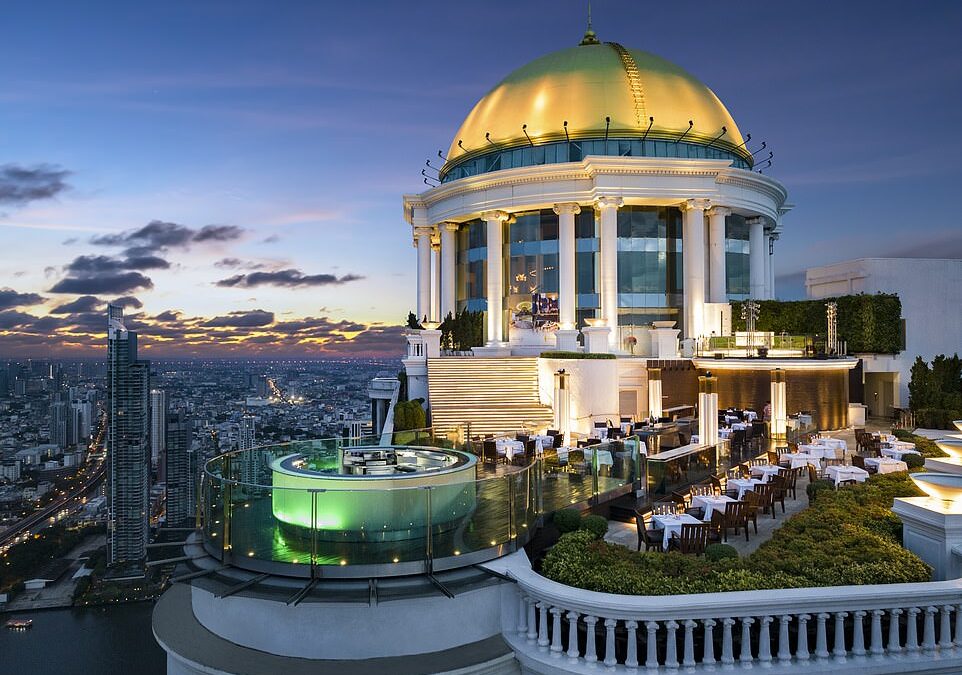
[(651, 537), (736, 517), (752, 506), (693, 539)]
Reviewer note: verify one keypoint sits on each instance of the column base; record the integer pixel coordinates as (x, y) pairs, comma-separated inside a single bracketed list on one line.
[(596, 339), (567, 340)]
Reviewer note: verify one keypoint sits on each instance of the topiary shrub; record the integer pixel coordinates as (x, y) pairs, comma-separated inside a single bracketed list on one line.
[(597, 525), (812, 489), (567, 520), (716, 552), (913, 461)]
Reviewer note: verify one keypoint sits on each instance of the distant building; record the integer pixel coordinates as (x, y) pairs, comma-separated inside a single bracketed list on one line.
[(36, 455), (10, 471), (128, 386), (158, 425), (59, 424), (246, 439), (180, 508)]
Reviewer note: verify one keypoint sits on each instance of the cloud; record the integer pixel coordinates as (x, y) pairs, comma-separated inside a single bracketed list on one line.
[(127, 302), (106, 283), (290, 278), (10, 298), (158, 235), (237, 263), (251, 319), (85, 303), (271, 239), (168, 316), (98, 264), (20, 185)]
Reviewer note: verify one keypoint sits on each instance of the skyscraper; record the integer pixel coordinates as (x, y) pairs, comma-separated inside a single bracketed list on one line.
[(249, 464), (60, 423), (158, 425), (128, 416), (179, 477)]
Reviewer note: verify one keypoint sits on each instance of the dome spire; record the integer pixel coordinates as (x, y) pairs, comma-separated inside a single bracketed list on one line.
[(590, 38)]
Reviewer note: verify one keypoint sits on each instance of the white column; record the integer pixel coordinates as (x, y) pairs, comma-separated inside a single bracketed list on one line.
[(608, 206), (566, 264), (717, 280), (494, 224), (693, 261), (449, 255), (756, 258), (422, 240), (436, 289), (771, 269)]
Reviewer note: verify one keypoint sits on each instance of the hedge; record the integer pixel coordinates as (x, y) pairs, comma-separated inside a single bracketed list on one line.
[(575, 355), (927, 447), (850, 536), (868, 323), (935, 393), (409, 415)]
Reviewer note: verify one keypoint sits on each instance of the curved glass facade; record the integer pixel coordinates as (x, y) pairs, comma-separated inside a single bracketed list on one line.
[(575, 151)]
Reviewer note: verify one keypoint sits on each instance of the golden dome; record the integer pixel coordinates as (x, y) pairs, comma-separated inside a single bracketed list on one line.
[(584, 85)]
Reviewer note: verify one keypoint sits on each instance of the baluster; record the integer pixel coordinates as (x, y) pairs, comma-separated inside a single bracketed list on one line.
[(532, 620), (801, 650), (895, 642), (689, 651), (591, 653), (556, 647), (522, 615), (928, 631), (610, 660), (543, 625), (573, 635), (728, 652), (821, 637), (958, 626), (765, 641), (839, 651), (876, 647), (912, 630), (631, 659), (945, 629), (858, 633), (746, 653), (652, 644), (671, 644), (784, 642), (708, 657)]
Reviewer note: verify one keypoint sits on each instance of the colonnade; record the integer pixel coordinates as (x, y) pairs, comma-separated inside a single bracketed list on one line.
[(703, 260)]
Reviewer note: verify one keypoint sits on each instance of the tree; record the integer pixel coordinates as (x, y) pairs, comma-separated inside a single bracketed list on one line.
[(413, 322)]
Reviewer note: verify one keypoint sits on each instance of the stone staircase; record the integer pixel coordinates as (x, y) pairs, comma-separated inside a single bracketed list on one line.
[(493, 395)]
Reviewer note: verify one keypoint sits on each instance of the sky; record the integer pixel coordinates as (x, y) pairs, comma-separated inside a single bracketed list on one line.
[(233, 171)]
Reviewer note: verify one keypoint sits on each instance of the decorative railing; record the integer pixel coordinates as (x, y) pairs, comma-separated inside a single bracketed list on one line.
[(873, 628)]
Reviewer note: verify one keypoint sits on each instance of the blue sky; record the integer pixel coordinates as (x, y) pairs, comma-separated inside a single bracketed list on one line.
[(301, 124)]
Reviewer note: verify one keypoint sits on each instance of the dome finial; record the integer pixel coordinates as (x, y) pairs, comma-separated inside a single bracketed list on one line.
[(590, 38)]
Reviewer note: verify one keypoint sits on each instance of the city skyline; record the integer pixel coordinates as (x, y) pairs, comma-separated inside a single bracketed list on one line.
[(217, 191)]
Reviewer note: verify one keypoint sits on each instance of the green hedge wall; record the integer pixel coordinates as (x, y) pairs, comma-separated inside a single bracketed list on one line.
[(575, 355), (869, 323)]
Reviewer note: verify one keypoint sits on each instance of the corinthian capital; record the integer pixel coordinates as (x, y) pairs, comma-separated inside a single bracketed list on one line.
[(494, 216), (609, 202), (423, 231), (567, 207), (722, 211), (695, 204)]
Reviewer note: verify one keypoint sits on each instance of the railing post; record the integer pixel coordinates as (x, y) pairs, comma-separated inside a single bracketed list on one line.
[(228, 514), (671, 644), (610, 659), (895, 640), (876, 647), (928, 632), (801, 649), (912, 630), (512, 515), (708, 656), (728, 651), (764, 640), (631, 659), (543, 624), (532, 620), (572, 652), (945, 629), (688, 659), (858, 633), (746, 651), (428, 542), (591, 649), (556, 646), (839, 651), (651, 643), (958, 626), (784, 644), (314, 570), (821, 637), (522, 614)]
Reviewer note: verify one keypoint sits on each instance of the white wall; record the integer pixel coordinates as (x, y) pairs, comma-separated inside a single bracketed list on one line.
[(931, 295), (593, 389)]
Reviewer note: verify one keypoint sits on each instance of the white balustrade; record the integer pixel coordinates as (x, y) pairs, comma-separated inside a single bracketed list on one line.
[(640, 632)]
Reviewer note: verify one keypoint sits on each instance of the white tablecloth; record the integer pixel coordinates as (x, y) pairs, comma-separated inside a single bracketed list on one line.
[(765, 471), (739, 426), (672, 524), (751, 415), (711, 503), (840, 473), (885, 438), (744, 485), (543, 441), (509, 448), (899, 453), (822, 451), (797, 459), (832, 443), (886, 464)]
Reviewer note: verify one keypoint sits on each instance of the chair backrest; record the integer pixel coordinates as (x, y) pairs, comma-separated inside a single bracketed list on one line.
[(735, 514), (738, 437), (678, 498), (812, 473), (772, 457), (765, 492), (753, 502), (758, 429), (489, 449), (858, 461), (716, 484), (694, 538)]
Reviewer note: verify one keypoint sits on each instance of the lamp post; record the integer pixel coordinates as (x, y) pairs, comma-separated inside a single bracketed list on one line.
[(779, 406), (708, 409), (831, 313)]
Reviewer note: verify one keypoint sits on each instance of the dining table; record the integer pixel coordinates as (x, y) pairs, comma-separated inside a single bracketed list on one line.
[(509, 447), (765, 471), (899, 453), (831, 442), (800, 459), (711, 503), (822, 451), (840, 473), (671, 524), (886, 464), (745, 485)]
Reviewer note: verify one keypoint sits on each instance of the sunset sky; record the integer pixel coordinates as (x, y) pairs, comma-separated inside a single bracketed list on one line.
[(234, 170)]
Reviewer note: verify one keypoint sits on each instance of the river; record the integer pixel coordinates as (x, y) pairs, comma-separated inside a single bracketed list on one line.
[(114, 639)]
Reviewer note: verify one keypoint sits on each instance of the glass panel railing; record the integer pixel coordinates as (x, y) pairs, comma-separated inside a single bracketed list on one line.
[(678, 469)]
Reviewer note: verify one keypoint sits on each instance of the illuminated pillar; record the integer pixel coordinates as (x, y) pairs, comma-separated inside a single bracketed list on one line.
[(654, 393), (693, 262), (422, 240), (756, 257), (768, 267), (608, 206), (449, 291), (436, 291), (566, 264), (779, 404), (494, 224), (771, 266), (562, 403), (717, 280), (708, 409)]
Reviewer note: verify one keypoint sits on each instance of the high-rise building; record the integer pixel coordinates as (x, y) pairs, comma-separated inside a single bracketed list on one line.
[(158, 425), (60, 424), (246, 437), (128, 415), (248, 458), (179, 476)]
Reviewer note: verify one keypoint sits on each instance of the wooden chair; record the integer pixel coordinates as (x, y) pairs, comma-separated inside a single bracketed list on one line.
[(859, 462), (752, 506), (813, 473), (717, 524), (766, 497), (779, 490), (652, 538), (489, 452), (736, 516), (716, 485), (792, 477), (693, 539), (773, 458)]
